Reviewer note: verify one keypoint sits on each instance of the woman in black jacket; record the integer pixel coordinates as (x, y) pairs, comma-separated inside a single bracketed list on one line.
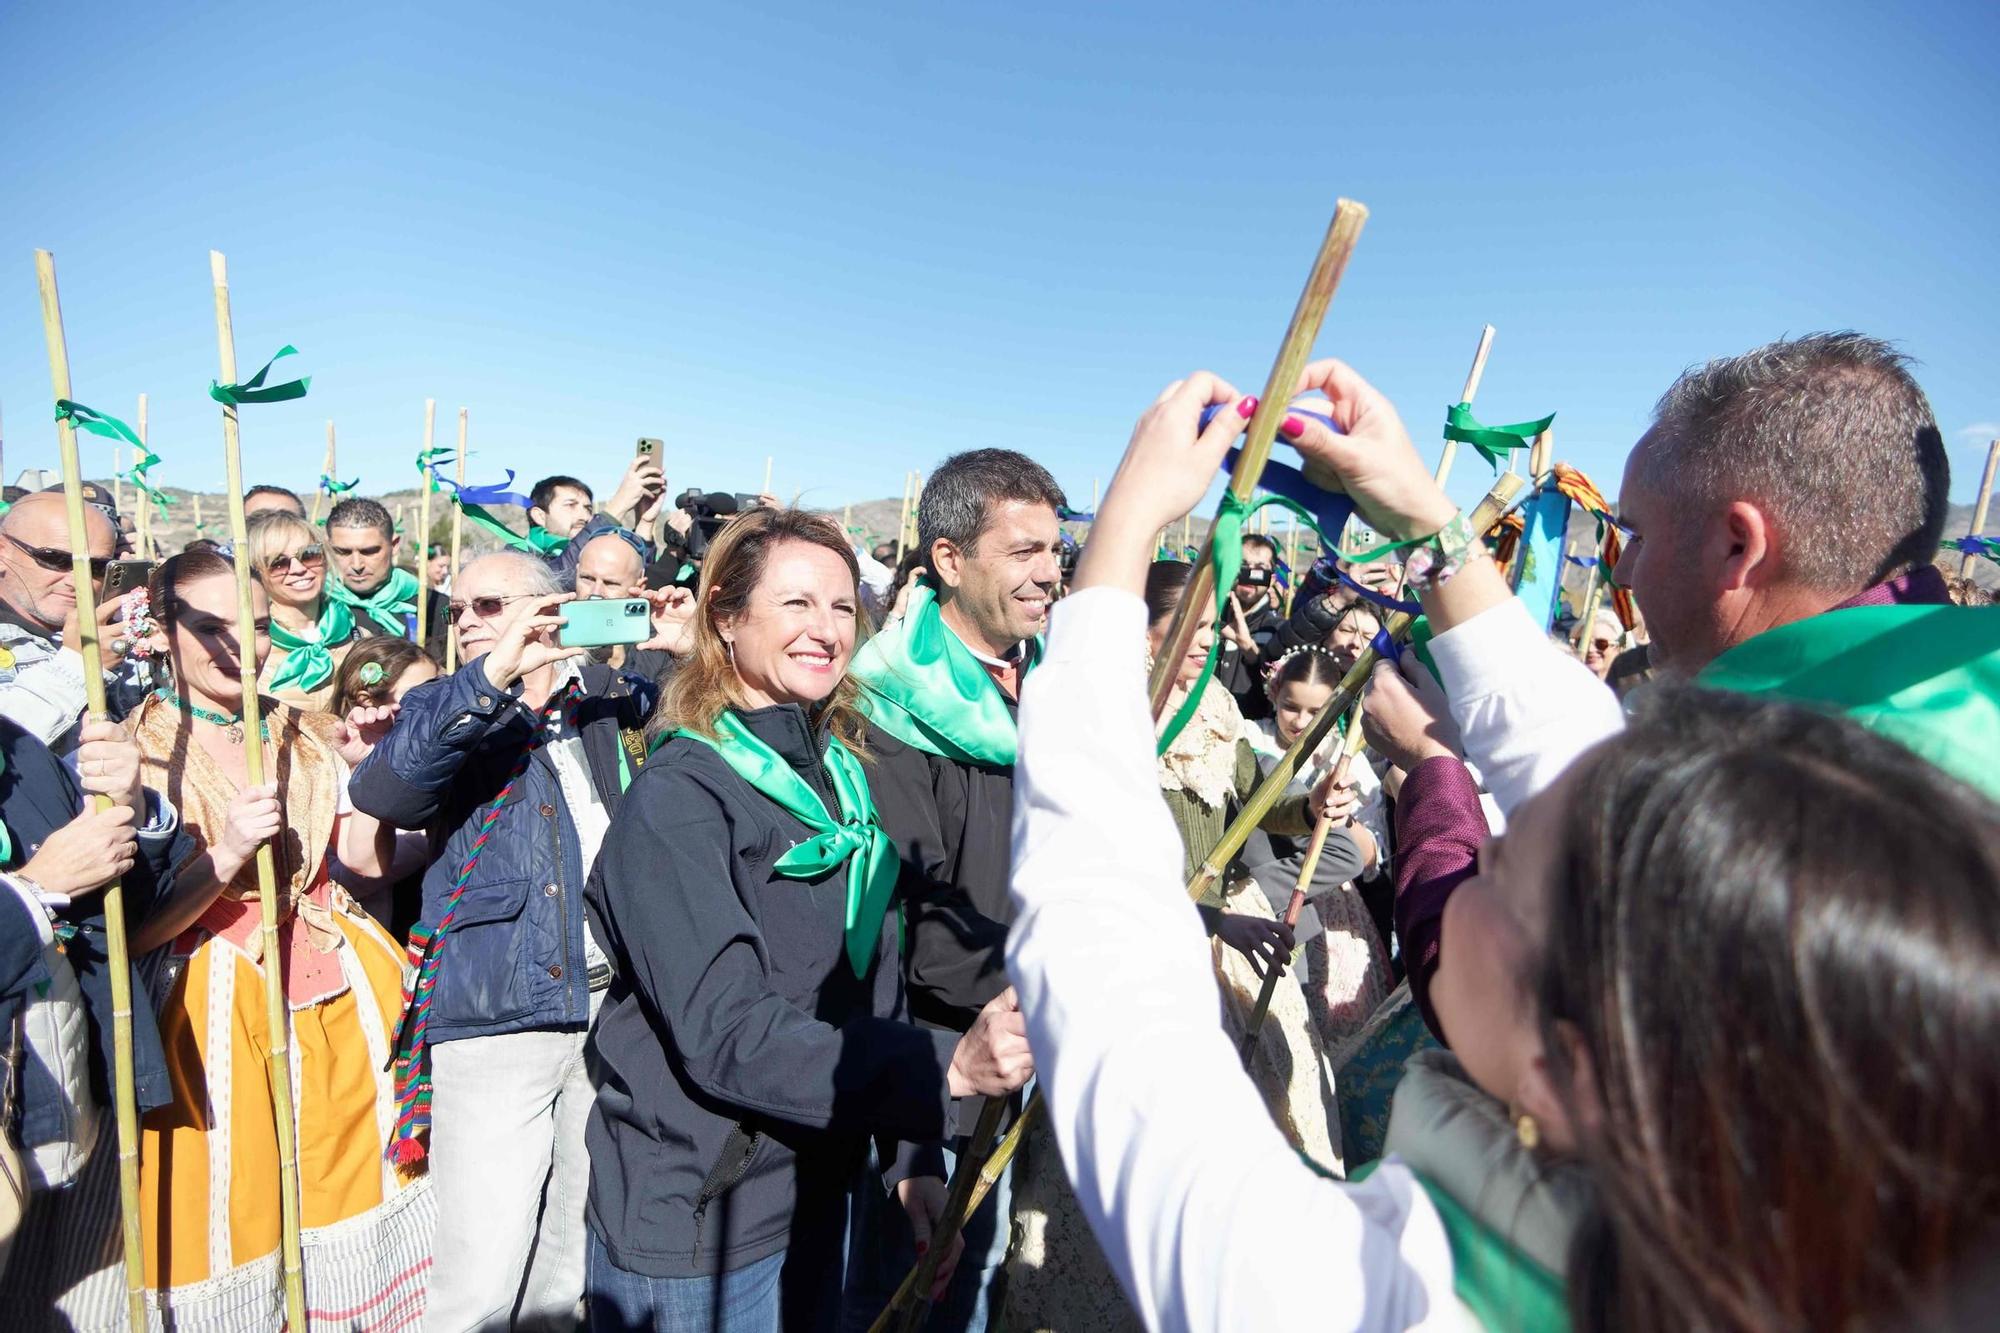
[(756, 1036)]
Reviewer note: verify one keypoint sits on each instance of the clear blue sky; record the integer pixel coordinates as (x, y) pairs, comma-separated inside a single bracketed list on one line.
[(859, 237)]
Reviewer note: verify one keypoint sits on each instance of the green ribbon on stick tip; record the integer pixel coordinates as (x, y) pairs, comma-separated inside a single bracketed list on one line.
[(252, 390), (1493, 442), (105, 425)]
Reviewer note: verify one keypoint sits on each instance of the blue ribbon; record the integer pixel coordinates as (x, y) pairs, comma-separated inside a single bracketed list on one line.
[(1330, 509), (494, 494), (1386, 648), (1582, 561), (1368, 594), (1986, 546)]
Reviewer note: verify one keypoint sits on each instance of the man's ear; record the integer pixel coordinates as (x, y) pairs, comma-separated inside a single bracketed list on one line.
[(1748, 546), (538, 516), (947, 562)]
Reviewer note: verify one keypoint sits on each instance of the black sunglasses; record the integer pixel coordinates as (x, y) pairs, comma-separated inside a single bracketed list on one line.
[(306, 557), (59, 562)]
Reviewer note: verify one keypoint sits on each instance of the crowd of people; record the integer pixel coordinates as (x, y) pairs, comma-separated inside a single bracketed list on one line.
[(1633, 972)]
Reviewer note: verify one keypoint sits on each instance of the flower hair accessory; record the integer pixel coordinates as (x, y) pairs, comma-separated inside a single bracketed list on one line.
[(371, 673), (135, 614)]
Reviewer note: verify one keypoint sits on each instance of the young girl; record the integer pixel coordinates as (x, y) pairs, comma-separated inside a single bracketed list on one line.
[(1347, 966), (380, 671), (209, 1159)]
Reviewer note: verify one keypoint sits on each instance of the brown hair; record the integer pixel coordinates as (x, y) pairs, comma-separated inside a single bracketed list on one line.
[(394, 656), (176, 571), (707, 682)]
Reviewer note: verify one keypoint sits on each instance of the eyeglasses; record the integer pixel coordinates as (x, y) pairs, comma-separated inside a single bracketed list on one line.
[(306, 557), (486, 607), (59, 562)]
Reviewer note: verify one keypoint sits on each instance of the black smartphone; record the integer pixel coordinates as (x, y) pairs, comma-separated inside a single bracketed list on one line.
[(1254, 576), (124, 576)]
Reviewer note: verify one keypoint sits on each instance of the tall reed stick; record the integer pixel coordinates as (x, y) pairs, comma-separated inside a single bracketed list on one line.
[(1471, 388), (424, 528), (964, 1178), (279, 1059), (1197, 601), (143, 524), (124, 1091), (903, 519), (1979, 506), (457, 543), (767, 475), (327, 470)]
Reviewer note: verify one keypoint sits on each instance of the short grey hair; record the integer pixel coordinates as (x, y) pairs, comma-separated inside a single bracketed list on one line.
[(958, 500), (526, 573), (1830, 435)]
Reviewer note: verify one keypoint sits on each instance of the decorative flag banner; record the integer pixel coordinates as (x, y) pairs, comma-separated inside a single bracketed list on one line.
[(1493, 442), (252, 390), (472, 500), (111, 428), (1539, 558)]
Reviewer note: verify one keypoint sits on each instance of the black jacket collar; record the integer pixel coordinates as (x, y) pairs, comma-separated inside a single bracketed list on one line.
[(788, 731)]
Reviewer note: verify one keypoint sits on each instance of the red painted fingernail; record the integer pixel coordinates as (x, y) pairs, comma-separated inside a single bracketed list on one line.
[(1293, 426), (923, 1245), (1247, 408)]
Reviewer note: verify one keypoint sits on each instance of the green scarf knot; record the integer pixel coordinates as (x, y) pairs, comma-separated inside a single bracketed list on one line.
[(1493, 442), (308, 662), (387, 605), (544, 542), (922, 685), (872, 861)]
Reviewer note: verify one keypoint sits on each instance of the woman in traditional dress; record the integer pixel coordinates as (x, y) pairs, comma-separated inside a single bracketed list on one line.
[(755, 1038), (209, 1195), (1347, 974), (310, 632)]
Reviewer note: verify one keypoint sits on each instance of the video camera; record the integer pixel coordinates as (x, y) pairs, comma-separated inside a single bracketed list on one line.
[(707, 511)]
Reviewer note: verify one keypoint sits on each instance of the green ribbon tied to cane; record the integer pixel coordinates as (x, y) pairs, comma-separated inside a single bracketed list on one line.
[(252, 390), (111, 428), (856, 838), (1493, 442)]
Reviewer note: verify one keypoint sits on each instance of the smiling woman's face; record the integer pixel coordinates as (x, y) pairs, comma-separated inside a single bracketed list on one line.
[(792, 641), (203, 641)]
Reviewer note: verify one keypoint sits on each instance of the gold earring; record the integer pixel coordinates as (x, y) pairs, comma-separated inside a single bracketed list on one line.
[(1527, 1131)]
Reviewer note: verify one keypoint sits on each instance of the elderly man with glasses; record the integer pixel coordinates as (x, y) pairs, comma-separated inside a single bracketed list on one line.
[(41, 662), (516, 763)]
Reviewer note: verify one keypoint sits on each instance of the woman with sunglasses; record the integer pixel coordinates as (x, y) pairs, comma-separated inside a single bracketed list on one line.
[(310, 632), (209, 1158), (755, 1039)]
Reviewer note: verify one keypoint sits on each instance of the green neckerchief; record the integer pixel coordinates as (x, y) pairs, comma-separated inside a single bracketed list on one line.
[(1504, 1288), (1925, 676), (924, 687), (308, 665), (387, 605), (544, 541), (872, 860)]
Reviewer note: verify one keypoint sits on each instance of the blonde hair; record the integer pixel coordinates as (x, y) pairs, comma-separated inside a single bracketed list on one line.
[(707, 682), (271, 532)]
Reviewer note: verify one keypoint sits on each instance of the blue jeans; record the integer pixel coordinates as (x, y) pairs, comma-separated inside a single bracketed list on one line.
[(745, 1301)]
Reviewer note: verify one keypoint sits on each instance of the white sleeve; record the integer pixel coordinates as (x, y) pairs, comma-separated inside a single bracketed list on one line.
[(47, 698), (37, 911), (1525, 709), (1169, 1145)]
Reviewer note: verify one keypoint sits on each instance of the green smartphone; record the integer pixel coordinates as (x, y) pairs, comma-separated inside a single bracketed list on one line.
[(603, 621)]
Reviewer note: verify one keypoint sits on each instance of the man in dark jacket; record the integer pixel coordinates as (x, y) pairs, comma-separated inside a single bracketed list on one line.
[(1240, 658), (941, 686), (515, 763), (59, 856)]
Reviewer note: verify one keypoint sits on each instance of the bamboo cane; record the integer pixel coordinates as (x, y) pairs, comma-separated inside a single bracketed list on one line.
[(1593, 593), (847, 521), (903, 520), (1979, 506), (1187, 531), (1471, 388), (197, 515), (767, 475), (917, 509), (143, 524), (1321, 827), (989, 1174), (125, 1098), (963, 1178), (457, 540), (1334, 251), (327, 470), (118, 480), (279, 1059), (424, 528), (1094, 500)]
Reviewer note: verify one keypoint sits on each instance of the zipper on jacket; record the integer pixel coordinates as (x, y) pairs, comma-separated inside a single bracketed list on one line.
[(731, 1165)]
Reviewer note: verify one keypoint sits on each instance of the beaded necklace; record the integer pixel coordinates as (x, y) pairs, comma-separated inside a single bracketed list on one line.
[(232, 727)]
